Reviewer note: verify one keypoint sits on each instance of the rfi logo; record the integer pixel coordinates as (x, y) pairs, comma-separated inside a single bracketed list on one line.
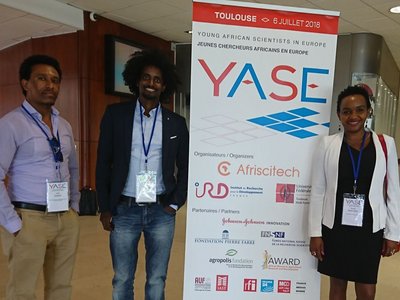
[(250, 285)]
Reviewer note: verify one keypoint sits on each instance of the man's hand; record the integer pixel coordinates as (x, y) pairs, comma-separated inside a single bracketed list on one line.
[(169, 210), (106, 221)]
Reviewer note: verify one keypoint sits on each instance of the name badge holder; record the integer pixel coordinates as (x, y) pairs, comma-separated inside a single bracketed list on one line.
[(353, 209), (353, 203), (146, 187), (146, 191), (57, 196)]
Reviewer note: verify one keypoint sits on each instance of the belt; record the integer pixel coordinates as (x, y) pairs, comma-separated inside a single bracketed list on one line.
[(132, 200), (31, 206)]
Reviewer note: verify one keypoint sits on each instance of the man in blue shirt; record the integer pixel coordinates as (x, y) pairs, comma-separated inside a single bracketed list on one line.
[(39, 204), (141, 175)]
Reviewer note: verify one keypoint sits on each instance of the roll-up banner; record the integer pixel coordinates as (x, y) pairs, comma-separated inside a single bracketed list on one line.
[(261, 89)]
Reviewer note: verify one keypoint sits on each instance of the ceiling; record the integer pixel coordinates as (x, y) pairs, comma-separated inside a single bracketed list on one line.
[(169, 19)]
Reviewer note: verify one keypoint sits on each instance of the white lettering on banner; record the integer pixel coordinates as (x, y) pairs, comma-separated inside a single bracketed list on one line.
[(296, 22), (235, 17)]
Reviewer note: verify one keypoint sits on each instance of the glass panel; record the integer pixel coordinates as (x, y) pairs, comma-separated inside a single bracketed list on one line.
[(383, 102), (369, 81)]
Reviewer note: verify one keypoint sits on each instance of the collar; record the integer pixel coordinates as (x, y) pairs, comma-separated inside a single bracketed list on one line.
[(35, 113)]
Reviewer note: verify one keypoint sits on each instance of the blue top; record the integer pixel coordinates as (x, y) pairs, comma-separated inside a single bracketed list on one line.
[(28, 161)]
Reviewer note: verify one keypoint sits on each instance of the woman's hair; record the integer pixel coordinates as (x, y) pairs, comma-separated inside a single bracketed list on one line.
[(353, 90), (152, 57)]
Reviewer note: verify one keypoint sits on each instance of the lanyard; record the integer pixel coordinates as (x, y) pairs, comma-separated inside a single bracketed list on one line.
[(48, 139), (356, 171), (147, 149)]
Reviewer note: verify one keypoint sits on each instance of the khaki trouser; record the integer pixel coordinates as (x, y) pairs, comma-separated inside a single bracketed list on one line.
[(48, 241)]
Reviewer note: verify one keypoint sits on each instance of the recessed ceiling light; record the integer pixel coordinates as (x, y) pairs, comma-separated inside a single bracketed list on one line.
[(395, 10)]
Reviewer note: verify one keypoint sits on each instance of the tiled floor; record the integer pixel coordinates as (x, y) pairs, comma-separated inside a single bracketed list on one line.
[(93, 272)]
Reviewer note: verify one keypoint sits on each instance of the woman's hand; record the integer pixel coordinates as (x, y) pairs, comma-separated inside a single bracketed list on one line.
[(389, 247), (317, 247)]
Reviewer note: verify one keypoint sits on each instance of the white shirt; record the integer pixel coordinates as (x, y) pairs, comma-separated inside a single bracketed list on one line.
[(138, 157)]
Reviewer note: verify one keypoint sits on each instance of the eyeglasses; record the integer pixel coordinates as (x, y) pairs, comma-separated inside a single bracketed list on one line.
[(56, 149)]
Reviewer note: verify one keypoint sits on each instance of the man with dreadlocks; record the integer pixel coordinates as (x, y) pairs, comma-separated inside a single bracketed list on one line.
[(141, 173)]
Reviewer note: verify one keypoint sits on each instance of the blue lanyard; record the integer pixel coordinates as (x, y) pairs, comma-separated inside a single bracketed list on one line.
[(37, 123), (147, 149), (356, 171)]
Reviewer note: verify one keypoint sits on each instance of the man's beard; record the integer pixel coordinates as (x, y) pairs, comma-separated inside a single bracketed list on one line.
[(150, 96)]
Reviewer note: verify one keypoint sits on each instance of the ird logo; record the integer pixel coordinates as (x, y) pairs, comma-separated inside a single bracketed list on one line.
[(219, 192), (274, 76)]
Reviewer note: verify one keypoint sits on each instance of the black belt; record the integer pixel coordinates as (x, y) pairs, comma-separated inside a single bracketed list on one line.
[(132, 200), (31, 206)]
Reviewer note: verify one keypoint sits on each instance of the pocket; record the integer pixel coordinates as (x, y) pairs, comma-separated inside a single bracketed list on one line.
[(171, 213), (7, 240), (121, 210)]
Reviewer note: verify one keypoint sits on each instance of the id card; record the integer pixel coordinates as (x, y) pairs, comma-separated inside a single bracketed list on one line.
[(353, 209), (146, 187), (57, 194)]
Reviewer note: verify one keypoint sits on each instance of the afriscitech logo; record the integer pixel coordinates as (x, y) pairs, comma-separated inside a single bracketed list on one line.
[(226, 168), (223, 168)]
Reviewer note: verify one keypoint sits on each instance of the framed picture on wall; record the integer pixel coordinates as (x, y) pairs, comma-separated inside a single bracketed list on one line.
[(117, 52)]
